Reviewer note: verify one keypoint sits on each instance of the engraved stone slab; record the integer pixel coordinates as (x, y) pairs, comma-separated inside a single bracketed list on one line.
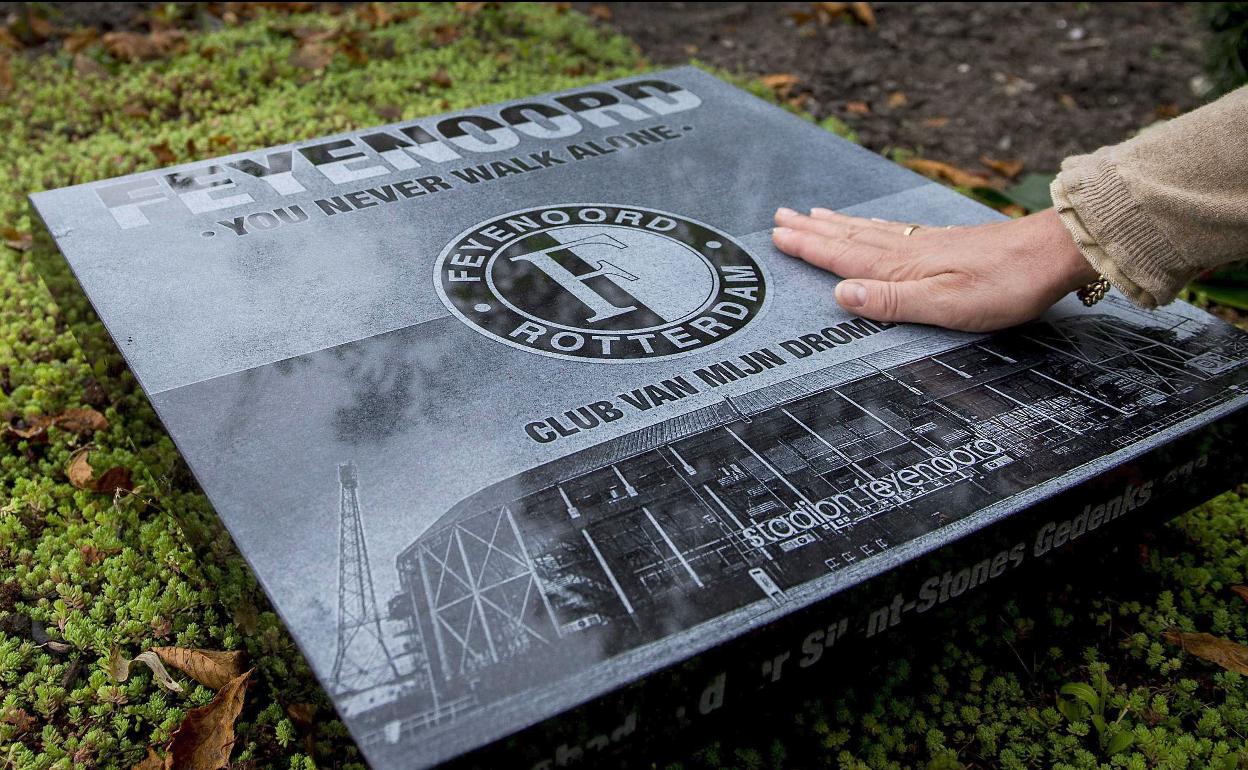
[(513, 407)]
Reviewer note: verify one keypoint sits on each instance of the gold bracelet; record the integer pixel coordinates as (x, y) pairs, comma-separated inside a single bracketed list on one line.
[(1094, 292)]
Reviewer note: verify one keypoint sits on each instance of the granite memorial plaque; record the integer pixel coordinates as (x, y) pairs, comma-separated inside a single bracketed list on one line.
[(530, 433)]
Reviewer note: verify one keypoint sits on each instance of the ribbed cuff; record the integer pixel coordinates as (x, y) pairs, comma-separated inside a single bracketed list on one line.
[(1114, 235)]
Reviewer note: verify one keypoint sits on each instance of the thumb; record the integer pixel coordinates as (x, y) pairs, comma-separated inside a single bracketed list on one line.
[(920, 301)]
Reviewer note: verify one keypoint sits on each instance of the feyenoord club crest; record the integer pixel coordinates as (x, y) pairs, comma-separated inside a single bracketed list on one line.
[(601, 282)]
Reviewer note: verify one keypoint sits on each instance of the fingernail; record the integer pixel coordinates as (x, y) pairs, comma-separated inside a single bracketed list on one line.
[(785, 212), (851, 294), (822, 211), (780, 230)]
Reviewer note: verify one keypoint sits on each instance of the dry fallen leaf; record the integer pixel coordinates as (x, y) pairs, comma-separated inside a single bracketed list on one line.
[(1167, 111), (8, 41), (940, 121), (27, 29), (858, 108), (119, 669), (80, 420), (152, 761), (1222, 652), (115, 479), (39, 27), (600, 12), (445, 34), (441, 79), (800, 17), (944, 172), (205, 738), (312, 55), (897, 99), (354, 53), (164, 153), (17, 240), (82, 475), (781, 82), (135, 109), (36, 429), (210, 668), (374, 14), (80, 472), (1006, 168), (863, 13), (159, 673), (86, 66), (118, 665), (829, 11), (134, 46), (310, 34), (79, 39), (826, 13)]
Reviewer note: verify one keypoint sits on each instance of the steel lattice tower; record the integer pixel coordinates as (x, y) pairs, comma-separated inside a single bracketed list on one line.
[(363, 661)]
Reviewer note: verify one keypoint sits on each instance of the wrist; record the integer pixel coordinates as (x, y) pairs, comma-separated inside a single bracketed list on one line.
[(1071, 268)]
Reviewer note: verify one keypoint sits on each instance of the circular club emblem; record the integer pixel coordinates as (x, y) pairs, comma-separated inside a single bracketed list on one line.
[(600, 282)]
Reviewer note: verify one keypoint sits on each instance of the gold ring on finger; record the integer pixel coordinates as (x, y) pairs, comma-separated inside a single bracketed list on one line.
[(910, 229)]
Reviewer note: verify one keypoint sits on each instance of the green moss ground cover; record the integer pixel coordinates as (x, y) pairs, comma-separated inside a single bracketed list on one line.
[(123, 573)]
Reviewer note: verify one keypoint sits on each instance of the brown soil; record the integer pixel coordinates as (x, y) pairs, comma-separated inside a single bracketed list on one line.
[(105, 17), (1030, 82)]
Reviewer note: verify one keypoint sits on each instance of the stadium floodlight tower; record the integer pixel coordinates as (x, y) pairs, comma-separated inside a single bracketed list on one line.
[(363, 661)]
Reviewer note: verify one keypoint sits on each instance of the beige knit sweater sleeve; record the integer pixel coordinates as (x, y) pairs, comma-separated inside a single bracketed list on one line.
[(1154, 211)]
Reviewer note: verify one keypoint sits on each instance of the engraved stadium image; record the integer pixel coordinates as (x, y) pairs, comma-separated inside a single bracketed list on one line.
[(731, 507)]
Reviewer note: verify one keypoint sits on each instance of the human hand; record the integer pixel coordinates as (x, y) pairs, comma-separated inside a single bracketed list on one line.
[(976, 278)]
